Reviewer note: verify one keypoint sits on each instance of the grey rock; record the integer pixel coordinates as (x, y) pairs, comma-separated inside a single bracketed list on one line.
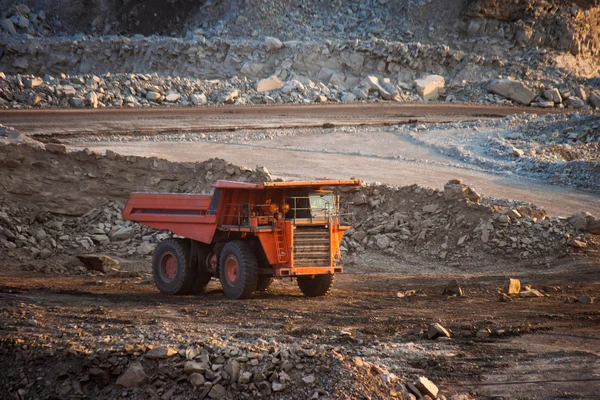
[(198, 99), (514, 90), (134, 376), (153, 96), (430, 87), (122, 233), (8, 26)]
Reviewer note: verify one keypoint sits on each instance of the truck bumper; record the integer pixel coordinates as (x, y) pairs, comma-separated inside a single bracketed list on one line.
[(296, 271)]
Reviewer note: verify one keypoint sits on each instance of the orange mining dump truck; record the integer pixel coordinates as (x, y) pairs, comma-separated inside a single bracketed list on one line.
[(245, 234)]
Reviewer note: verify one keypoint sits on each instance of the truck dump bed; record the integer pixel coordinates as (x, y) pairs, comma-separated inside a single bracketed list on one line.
[(187, 215)]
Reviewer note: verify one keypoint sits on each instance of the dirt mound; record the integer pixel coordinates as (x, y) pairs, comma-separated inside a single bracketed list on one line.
[(73, 183)]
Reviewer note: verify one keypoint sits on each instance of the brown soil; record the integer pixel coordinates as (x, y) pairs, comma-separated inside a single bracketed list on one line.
[(538, 348)]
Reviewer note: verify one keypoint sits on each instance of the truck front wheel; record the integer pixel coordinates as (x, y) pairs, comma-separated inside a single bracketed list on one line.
[(238, 269), (171, 267), (315, 285)]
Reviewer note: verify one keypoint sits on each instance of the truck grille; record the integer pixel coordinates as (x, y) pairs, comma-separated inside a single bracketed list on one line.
[(311, 246)]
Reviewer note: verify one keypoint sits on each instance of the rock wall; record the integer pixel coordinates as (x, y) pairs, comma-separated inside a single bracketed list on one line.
[(571, 26)]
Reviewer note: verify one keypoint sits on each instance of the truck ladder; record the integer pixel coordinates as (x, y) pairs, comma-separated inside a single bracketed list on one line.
[(280, 246)]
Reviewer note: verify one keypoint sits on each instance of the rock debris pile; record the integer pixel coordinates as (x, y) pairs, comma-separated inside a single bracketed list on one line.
[(456, 223), (450, 224)]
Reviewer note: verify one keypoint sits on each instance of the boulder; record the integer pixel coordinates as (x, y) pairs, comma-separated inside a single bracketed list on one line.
[(575, 102), (273, 43), (374, 84), (268, 84), (133, 377), (436, 330), (427, 387), (8, 26), (153, 96), (77, 102), (453, 289), (198, 99), (98, 262), (31, 83), (512, 286), (197, 379), (56, 148), (430, 86), (92, 99), (553, 95), (160, 353), (348, 97), (173, 97), (122, 233), (594, 100), (514, 90)]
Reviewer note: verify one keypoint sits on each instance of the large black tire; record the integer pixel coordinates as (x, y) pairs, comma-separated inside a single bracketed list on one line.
[(264, 281), (239, 256), (316, 285), (173, 273), (203, 277)]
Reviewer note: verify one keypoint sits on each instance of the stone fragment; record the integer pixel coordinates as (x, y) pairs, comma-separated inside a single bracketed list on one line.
[(122, 233), (453, 289), (530, 293), (77, 102), (217, 392), (134, 376), (553, 95), (594, 100), (173, 97), (228, 96), (160, 353), (92, 99), (268, 84), (197, 379), (575, 102), (436, 330), (153, 96), (198, 99), (191, 367), (430, 87), (8, 26), (512, 286), (427, 387), (374, 84), (584, 298), (514, 90), (56, 148), (245, 377), (98, 262), (578, 244), (512, 213), (277, 386), (31, 83), (348, 97), (273, 43)]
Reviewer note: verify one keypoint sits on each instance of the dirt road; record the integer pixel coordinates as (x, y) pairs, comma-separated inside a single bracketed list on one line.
[(529, 348), (51, 122)]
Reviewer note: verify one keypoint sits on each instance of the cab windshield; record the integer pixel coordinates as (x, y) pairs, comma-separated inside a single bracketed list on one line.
[(322, 204)]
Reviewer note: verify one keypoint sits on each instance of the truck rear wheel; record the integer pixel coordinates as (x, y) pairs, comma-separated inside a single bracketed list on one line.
[(199, 256), (264, 281), (171, 267), (315, 285), (238, 269)]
